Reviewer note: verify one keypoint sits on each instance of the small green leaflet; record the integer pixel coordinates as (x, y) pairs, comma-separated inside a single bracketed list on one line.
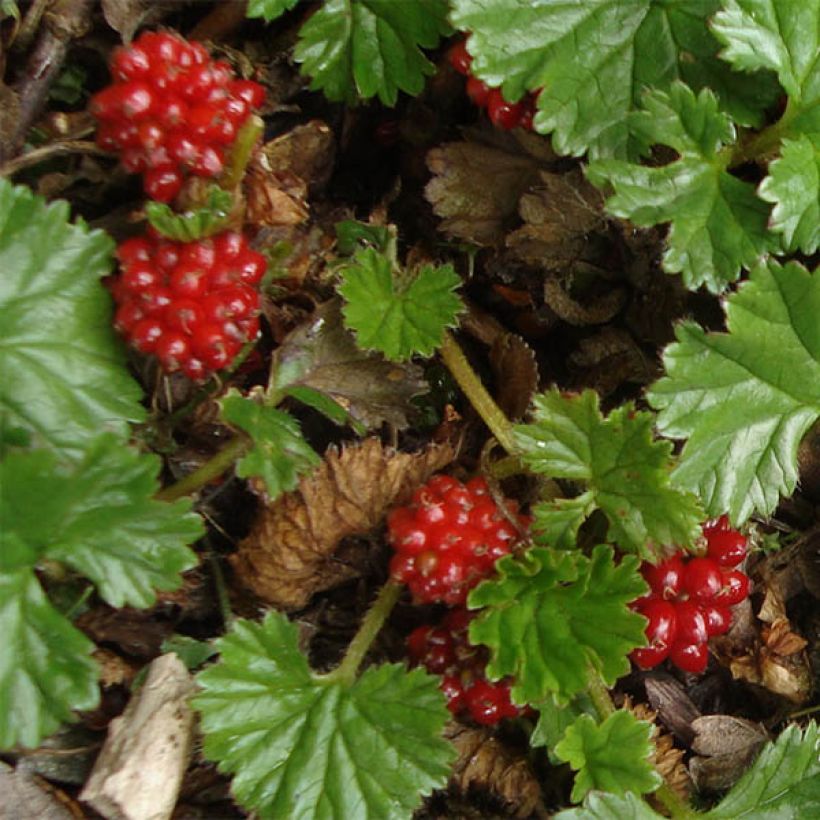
[(718, 223), (627, 473), (782, 784), (302, 745), (63, 374), (555, 718), (98, 517), (398, 313), (551, 617), (614, 756), (565, 48), (211, 218), (269, 10), (601, 806), (793, 185), (744, 399), (357, 49), (280, 454)]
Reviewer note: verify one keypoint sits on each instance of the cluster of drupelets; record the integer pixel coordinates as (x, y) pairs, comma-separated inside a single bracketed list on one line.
[(171, 113), (502, 114), (691, 599), (447, 540)]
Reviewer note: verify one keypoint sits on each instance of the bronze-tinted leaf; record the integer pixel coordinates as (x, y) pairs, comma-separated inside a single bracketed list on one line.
[(516, 374), (594, 310), (289, 554)]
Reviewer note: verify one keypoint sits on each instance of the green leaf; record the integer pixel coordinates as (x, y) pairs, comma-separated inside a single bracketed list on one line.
[(46, 668), (556, 523), (718, 223), (190, 651), (98, 517), (626, 471), (352, 235), (269, 10), (793, 185), (63, 370), (306, 746), (280, 454), (782, 784), (744, 398), (614, 756), (566, 48), (362, 48), (551, 617), (398, 314), (555, 718), (599, 806), (211, 218)]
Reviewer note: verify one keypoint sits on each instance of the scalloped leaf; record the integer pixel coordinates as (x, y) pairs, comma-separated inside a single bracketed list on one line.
[(744, 412), (601, 806), (357, 49), (98, 517), (614, 756), (718, 224), (564, 49), (207, 220), (625, 469), (63, 370), (269, 10), (280, 454), (302, 745), (553, 617), (400, 314)]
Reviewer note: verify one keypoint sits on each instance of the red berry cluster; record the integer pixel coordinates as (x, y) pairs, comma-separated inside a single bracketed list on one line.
[(691, 598), (191, 304), (171, 111), (449, 538), (502, 114), (445, 650)]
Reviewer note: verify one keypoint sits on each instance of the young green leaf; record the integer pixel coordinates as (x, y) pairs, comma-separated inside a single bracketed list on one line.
[(63, 374), (718, 223), (614, 756), (99, 517), (555, 718), (602, 806), (269, 10), (207, 220), (627, 473), (784, 781), (280, 454), (398, 314), (304, 745), (563, 49), (551, 617), (793, 185), (362, 48), (46, 668), (743, 411)]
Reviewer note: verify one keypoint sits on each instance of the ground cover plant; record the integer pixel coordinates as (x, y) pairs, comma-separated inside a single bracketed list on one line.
[(435, 383)]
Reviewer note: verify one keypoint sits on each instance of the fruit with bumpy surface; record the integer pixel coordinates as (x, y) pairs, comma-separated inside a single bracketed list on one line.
[(190, 304), (445, 650), (171, 111), (690, 599), (449, 537)]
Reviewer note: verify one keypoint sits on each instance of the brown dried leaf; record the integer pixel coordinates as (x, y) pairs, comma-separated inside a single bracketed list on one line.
[(558, 215), (308, 151), (607, 360), (593, 311), (725, 746), (126, 16), (484, 762), (322, 354), (288, 556), (516, 374), (114, 669), (675, 708), (476, 187), (9, 113), (274, 197), (25, 797)]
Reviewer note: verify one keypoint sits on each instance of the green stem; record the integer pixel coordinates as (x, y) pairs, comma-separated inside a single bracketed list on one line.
[(211, 469), (241, 152), (763, 143), (368, 629), (221, 590), (482, 401)]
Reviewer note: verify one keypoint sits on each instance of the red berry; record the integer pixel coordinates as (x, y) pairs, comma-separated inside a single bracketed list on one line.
[(691, 657), (691, 623), (478, 91), (460, 59), (503, 114), (489, 702), (727, 547), (718, 619), (660, 633), (163, 183), (702, 579), (735, 588), (665, 579)]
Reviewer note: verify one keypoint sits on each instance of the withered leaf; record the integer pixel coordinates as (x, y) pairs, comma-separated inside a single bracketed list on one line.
[(476, 186), (484, 762), (675, 708), (288, 556), (558, 215), (607, 360), (516, 374), (274, 197), (321, 354), (126, 16), (308, 151), (592, 311), (725, 746)]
